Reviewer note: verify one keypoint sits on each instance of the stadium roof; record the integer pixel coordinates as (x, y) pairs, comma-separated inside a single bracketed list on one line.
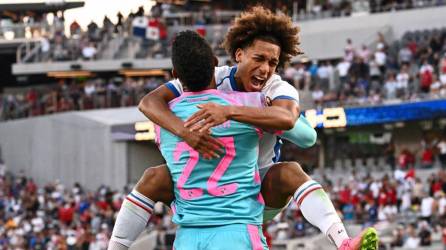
[(39, 5), (114, 116)]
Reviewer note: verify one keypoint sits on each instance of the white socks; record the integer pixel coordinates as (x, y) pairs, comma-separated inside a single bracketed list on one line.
[(132, 218), (318, 209)]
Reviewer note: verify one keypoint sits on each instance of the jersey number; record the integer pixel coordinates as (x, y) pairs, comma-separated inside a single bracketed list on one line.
[(212, 183)]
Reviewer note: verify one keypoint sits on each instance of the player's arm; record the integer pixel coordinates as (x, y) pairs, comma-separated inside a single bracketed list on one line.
[(268, 118), (154, 106), (282, 114), (302, 134)]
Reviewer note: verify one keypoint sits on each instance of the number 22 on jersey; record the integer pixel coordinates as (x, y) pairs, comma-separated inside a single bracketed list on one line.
[(212, 183)]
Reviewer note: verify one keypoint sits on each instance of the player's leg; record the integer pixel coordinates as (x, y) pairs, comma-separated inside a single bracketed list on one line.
[(286, 182), (155, 185)]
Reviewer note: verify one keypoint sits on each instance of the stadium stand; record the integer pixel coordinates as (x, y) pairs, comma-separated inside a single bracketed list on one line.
[(408, 207), (413, 68)]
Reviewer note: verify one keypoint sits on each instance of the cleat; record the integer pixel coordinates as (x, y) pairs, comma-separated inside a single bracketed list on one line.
[(366, 240)]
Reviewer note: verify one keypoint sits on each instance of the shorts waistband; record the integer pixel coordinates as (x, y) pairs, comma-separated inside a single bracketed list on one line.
[(231, 227)]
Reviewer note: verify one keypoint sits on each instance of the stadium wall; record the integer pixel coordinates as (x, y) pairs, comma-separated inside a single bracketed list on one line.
[(70, 148)]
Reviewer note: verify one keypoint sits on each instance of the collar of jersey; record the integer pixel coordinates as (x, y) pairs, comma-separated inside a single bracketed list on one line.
[(207, 91)]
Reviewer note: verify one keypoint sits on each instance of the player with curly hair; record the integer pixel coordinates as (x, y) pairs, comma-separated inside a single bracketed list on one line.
[(259, 42)]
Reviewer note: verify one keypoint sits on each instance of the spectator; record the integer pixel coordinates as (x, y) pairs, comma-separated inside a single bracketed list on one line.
[(404, 55), (442, 151), (427, 157), (402, 79), (381, 58), (398, 237), (427, 205), (425, 234), (364, 53), (349, 51), (442, 69), (323, 72), (75, 28), (426, 73), (45, 48), (93, 31), (107, 25), (343, 68), (118, 27), (436, 86), (317, 94), (89, 51), (412, 241), (391, 86)]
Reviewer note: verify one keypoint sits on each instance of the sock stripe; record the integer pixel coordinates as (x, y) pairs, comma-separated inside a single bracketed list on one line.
[(301, 192), (148, 210), (307, 193), (142, 201)]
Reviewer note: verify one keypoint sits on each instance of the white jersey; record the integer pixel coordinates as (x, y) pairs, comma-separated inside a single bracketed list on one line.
[(275, 88)]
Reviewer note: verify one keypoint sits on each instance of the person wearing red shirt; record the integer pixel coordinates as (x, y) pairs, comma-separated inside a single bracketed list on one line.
[(66, 213), (427, 158)]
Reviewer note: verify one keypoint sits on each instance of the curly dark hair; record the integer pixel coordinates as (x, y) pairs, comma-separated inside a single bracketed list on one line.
[(260, 23)]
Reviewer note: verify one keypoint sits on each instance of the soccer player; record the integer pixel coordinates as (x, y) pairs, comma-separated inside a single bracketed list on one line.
[(259, 41), (217, 202)]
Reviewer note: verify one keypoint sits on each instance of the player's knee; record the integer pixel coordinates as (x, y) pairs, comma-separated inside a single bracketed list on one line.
[(293, 176), (158, 174), (154, 182)]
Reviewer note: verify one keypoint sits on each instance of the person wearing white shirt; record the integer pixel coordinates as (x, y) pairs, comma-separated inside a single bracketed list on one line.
[(441, 204), (390, 87), (375, 187), (342, 69), (88, 52), (426, 67), (317, 94), (412, 241), (427, 203), (381, 58), (442, 148), (436, 85), (404, 55), (403, 80)]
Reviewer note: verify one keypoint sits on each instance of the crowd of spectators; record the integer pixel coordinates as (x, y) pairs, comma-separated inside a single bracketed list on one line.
[(88, 44), (414, 210), (54, 216), (411, 69), (71, 95)]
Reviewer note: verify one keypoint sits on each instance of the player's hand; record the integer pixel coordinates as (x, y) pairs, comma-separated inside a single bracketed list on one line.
[(210, 115), (203, 143)]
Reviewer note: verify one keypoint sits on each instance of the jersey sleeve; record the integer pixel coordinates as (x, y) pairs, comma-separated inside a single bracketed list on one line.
[(175, 86), (302, 134), (279, 89)]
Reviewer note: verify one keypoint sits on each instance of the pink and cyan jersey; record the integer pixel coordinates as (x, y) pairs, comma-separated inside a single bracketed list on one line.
[(219, 191)]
